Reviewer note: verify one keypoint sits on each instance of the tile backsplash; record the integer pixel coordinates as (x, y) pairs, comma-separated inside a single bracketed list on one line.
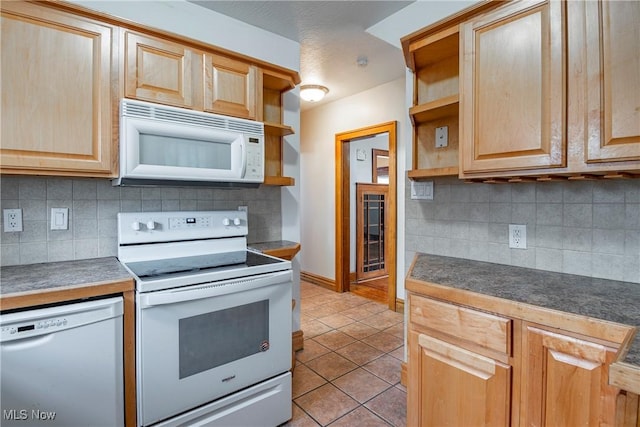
[(93, 205), (589, 228)]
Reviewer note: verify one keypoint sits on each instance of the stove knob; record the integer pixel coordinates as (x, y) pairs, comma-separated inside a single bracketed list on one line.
[(135, 226), (236, 221), (226, 222), (151, 225)]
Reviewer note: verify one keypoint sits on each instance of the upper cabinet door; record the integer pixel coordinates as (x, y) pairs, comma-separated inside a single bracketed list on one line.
[(230, 87), (613, 68), (56, 93), (160, 71), (512, 97)]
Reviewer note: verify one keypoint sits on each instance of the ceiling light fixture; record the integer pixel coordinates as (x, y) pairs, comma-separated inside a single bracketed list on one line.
[(313, 93)]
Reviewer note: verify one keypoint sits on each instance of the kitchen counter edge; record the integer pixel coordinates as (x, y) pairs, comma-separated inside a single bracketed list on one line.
[(46, 283)]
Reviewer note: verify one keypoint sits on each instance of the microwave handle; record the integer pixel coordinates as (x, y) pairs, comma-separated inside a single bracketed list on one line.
[(243, 156), (213, 289)]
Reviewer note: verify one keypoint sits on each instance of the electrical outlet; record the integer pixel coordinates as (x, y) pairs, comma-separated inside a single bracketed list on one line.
[(517, 236), (12, 220)]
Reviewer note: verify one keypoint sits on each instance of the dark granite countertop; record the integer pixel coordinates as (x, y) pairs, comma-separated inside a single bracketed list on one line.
[(274, 245), (608, 300), (21, 279)]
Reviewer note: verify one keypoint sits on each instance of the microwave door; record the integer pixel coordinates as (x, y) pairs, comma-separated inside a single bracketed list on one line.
[(159, 150)]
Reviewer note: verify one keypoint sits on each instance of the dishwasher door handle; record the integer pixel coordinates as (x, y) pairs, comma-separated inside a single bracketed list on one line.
[(213, 289), (23, 343)]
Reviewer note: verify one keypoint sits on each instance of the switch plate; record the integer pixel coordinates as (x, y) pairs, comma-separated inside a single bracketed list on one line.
[(442, 136), (59, 218), (422, 190), (517, 236), (12, 220)]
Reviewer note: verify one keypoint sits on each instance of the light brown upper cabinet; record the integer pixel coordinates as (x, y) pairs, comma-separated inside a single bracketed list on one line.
[(512, 99), (229, 87), (56, 93), (612, 49), (172, 73), (161, 71), (533, 90)]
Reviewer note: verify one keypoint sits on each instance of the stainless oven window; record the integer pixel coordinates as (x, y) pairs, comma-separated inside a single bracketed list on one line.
[(214, 339), (160, 150)]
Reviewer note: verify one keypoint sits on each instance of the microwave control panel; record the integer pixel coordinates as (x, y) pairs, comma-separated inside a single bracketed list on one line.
[(255, 159)]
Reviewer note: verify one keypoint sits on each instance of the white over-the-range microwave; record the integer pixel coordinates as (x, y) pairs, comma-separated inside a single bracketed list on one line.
[(163, 145)]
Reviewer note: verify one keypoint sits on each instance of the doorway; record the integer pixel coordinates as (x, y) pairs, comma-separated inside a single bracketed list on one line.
[(343, 211)]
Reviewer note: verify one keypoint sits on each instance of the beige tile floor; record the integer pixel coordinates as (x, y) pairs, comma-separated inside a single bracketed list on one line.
[(349, 371)]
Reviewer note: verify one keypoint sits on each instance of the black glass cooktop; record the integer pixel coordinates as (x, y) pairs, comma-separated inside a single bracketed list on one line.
[(198, 264)]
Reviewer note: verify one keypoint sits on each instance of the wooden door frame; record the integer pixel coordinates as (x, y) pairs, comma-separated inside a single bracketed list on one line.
[(343, 199)]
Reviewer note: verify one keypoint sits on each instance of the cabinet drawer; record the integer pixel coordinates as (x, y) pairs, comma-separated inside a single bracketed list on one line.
[(483, 329)]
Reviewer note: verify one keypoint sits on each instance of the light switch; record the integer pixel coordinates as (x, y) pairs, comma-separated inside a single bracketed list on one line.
[(422, 190), (59, 218)]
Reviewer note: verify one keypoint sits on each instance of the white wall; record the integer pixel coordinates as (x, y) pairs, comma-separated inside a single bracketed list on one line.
[(360, 171), (319, 126)]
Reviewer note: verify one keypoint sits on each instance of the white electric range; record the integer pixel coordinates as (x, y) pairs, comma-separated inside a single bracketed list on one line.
[(213, 320)]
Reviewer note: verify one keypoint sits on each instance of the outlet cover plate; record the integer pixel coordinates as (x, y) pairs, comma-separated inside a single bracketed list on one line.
[(517, 236), (442, 137), (59, 218), (12, 219)]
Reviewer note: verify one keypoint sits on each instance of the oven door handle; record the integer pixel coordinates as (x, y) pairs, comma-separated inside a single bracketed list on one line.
[(213, 289)]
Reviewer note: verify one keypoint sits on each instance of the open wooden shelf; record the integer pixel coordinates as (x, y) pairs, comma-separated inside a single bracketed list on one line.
[(434, 110), (282, 181), (274, 85), (435, 48), (419, 174), (277, 129)]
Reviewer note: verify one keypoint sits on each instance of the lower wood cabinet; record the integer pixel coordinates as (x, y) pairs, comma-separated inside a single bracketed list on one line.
[(566, 380), (467, 367), (453, 386)]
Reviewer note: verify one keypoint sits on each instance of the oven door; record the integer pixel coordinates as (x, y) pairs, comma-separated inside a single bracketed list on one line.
[(198, 343)]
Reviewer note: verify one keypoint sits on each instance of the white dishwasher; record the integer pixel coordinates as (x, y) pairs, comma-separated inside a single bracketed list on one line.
[(62, 365)]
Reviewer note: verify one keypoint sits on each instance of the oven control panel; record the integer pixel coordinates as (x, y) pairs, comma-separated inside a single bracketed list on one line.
[(190, 222), (149, 227)]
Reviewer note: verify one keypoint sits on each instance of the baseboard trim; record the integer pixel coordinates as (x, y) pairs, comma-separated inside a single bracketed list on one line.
[(403, 373), (297, 340), (318, 280), (399, 305)]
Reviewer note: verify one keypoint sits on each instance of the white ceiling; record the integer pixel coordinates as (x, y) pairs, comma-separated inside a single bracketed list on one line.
[(332, 35)]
